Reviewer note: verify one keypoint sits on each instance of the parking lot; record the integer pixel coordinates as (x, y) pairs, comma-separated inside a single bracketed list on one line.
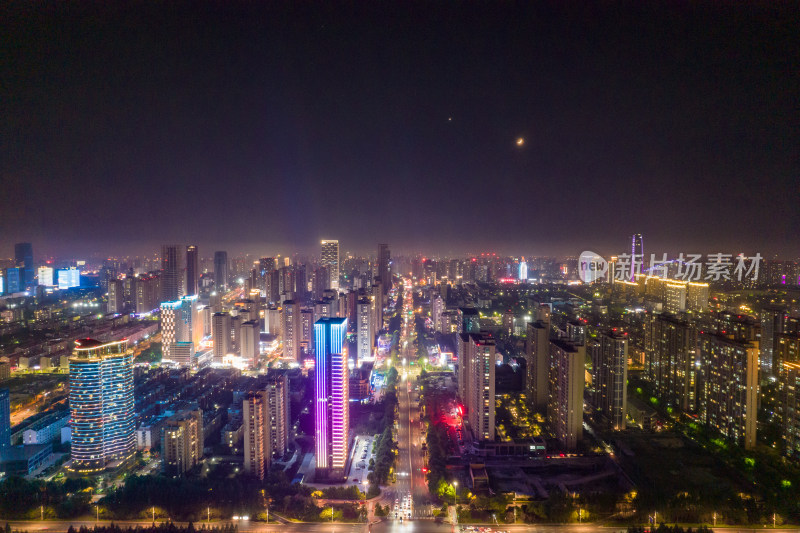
[(359, 460)]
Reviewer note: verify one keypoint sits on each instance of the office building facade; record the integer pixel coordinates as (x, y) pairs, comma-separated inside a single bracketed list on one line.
[(331, 397), (101, 404)]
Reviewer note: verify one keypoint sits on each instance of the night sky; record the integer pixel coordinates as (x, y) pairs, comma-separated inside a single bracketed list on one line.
[(264, 126)]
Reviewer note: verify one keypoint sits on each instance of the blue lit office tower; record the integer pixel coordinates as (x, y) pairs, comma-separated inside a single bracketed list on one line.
[(14, 281), (5, 419), (101, 404), (221, 270), (331, 396), (23, 256)]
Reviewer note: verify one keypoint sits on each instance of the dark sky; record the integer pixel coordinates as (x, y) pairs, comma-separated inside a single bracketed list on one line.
[(268, 126)]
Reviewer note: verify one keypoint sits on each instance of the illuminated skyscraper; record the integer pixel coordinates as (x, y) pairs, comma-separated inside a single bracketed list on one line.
[(181, 323), (173, 328), (5, 419), (23, 255), (101, 404), (172, 258), (329, 258), (331, 395), (221, 270), (46, 275), (523, 270), (192, 270), (68, 278)]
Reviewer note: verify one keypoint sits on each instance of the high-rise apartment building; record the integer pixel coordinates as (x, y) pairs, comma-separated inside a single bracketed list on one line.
[(172, 271), (384, 265), (116, 296), (257, 440), (729, 394), (329, 258), (331, 397), (671, 363), (537, 359), (221, 275), (182, 442), (192, 270), (675, 296), (610, 377), (697, 296), (772, 319), (789, 380), (147, 291), (478, 374), (292, 330), (251, 342), (277, 388), (565, 401), (101, 404), (365, 332), (221, 335)]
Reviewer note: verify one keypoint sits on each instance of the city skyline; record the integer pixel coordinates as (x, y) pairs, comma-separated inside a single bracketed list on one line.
[(582, 124)]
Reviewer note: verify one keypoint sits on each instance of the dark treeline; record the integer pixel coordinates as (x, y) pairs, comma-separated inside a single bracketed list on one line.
[(167, 527), (664, 528)]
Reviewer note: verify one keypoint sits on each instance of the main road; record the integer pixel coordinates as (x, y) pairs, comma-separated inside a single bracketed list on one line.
[(387, 526), (410, 479)]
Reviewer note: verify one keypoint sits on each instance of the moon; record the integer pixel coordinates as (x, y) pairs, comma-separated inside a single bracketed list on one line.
[(520, 141)]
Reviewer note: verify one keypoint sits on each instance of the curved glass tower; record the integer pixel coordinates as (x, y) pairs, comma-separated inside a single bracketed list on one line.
[(101, 404)]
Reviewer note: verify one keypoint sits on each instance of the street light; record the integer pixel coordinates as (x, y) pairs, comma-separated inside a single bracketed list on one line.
[(455, 500)]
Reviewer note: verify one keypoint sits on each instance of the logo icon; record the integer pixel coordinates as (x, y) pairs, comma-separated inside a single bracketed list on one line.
[(592, 267)]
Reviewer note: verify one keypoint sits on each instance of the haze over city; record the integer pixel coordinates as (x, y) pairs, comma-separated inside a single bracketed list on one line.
[(266, 128)]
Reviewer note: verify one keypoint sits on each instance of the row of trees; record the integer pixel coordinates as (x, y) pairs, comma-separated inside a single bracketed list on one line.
[(385, 446), (20, 498), (166, 527)]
